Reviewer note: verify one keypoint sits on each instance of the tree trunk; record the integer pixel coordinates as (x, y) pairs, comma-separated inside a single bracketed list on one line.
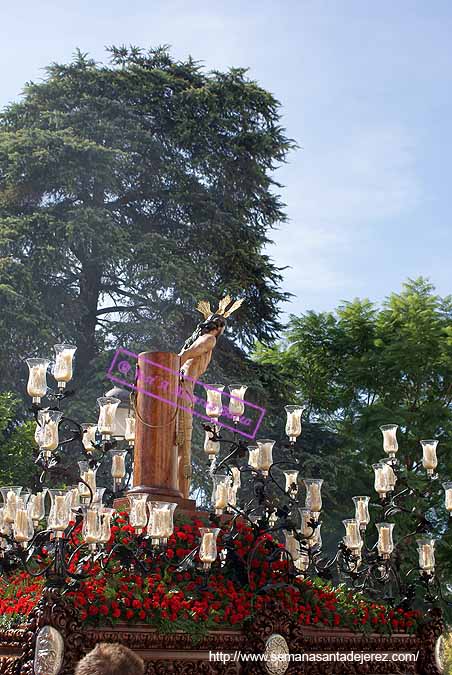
[(90, 287)]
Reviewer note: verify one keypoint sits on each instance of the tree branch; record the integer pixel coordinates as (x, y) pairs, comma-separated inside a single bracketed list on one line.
[(126, 308)]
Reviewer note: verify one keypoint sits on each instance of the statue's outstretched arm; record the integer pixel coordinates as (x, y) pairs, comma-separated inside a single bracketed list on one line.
[(203, 344)]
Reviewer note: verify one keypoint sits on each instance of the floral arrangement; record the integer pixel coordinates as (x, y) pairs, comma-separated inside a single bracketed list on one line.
[(169, 600)]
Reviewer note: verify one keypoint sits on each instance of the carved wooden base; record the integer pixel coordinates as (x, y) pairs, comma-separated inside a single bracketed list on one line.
[(176, 653)]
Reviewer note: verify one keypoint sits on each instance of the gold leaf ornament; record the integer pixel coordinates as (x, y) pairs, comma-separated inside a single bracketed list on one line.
[(223, 304), (233, 307), (204, 308)]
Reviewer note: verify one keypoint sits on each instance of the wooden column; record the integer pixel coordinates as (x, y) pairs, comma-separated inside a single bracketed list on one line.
[(155, 455)]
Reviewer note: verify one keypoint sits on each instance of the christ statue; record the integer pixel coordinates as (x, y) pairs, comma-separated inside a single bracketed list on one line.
[(195, 357)]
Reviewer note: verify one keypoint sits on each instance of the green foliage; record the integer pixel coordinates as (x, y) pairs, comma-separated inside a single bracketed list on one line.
[(8, 621), (362, 366), (196, 630), (16, 444), (128, 192)]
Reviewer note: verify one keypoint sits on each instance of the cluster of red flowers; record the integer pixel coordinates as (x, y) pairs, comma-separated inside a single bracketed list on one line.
[(18, 595), (182, 599), (361, 613)]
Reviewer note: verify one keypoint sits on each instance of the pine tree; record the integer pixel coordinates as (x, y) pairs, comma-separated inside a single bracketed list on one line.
[(128, 192)]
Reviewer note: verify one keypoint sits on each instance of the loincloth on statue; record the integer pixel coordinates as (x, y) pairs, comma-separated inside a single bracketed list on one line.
[(185, 425)]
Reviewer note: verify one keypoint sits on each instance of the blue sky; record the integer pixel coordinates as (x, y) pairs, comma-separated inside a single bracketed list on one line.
[(366, 92)]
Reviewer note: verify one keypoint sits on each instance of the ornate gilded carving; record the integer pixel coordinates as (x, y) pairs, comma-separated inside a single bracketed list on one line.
[(429, 634), (54, 611), (49, 651), (276, 653), (259, 635), (187, 667), (271, 619)]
